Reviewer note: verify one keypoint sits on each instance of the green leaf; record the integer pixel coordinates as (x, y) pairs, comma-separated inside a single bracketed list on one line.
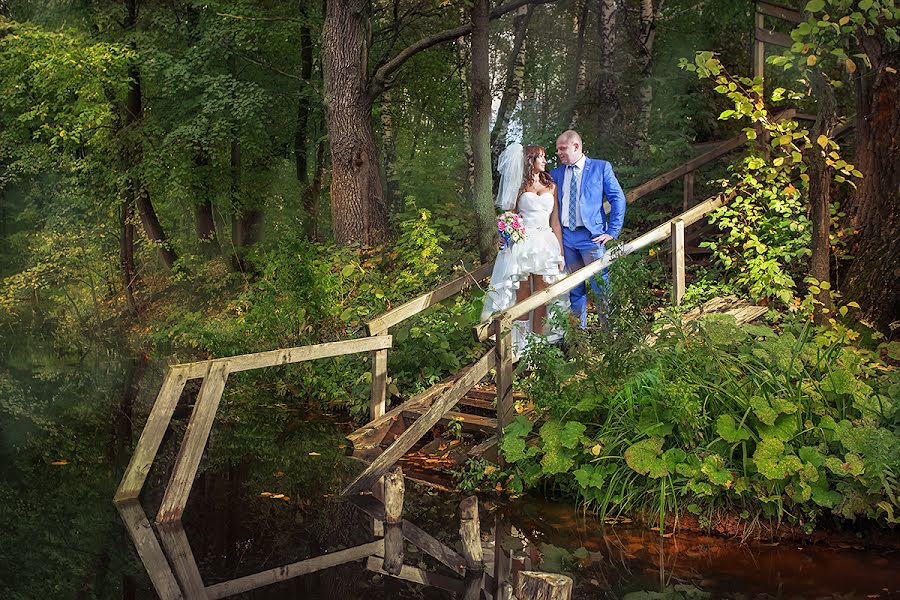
[(865, 4), (726, 426), (815, 5), (772, 462), (570, 436), (644, 457)]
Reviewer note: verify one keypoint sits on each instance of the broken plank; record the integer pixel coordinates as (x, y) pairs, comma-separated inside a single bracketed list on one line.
[(420, 576), (406, 440)]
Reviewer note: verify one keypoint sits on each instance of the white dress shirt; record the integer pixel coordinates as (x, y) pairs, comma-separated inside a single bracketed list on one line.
[(567, 183)]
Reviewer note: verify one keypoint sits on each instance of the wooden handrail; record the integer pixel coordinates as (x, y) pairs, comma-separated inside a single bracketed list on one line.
[(655, 235), (695, 163), (409, 309), (780, 12)]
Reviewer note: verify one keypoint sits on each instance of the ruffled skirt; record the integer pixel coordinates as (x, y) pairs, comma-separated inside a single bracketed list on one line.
[(537, 255)]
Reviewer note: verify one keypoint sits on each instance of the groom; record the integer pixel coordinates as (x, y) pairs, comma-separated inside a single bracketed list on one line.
[(582, 183)]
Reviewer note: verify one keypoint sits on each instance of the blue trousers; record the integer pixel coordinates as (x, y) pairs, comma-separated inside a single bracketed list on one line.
[(579, 250)]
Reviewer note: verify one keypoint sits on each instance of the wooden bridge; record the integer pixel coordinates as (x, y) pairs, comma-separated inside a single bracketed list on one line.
[(470, 397)]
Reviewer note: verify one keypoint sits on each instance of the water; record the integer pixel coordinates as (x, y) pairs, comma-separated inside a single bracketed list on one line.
[(266, 496)]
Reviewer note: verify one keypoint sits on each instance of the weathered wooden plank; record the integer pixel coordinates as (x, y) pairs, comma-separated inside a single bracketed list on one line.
[(406, 440), (151, 437), (502, 562), (303, 567), (371, 434), (286, 356), (470, 532), (424, 541), (677, 255), (759, 48), (417, 305), (178, 549), (393, 496), (149, 550), (393, 548), (781, 12), (654, 236), (479, 403), (473, 585), (378, 395), (193, 444), (695, 163), (484, 447), (536, 585), (504, 379), (455, 586), (470, 422), (776, 38)]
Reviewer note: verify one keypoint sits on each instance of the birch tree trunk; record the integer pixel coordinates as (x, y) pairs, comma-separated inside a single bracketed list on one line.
[(515, 76), (579, 75), (608, 108), (649, 16)]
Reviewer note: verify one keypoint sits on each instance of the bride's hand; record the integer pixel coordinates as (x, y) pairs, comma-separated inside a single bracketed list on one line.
[(562, 267)]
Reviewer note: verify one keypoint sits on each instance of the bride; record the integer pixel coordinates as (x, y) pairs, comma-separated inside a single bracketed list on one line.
[(537, 261)]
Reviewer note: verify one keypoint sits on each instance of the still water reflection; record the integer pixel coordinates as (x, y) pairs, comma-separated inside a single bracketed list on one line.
[(266, 496)]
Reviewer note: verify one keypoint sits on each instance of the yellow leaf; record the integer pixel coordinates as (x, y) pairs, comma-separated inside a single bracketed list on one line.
[(59, 462), (596, 450), (286, 498), (822, 140), (266, 494), (811, 60), (279, 473), (314, 454), (277, 496), (851, 66), (498, 487), (844, 20), (489, 469), (778, 161), (890, 69)]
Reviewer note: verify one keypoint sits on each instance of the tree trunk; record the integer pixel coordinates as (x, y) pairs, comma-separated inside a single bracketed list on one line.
[(311, 196), (608, 108), (873, 278), (515, 76), (126, 251), (579, 75), (134, 115), (389, 154), (203, 210), (301, 135), (820, 180), (481, 134), (647, 37), (358, 208), (246, 221), (464, 58)]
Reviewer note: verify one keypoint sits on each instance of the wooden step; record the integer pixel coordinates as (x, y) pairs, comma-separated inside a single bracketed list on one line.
[(469, 421)]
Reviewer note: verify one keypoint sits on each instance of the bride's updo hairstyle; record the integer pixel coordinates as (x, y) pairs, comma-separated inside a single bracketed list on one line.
[(531, 155)]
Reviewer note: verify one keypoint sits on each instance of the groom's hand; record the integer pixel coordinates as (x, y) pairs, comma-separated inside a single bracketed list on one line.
[(602, 239)]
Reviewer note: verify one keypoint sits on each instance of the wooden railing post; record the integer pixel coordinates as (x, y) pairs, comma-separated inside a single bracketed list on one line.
[(393, 521), (688, 191), (378, 395), (677, 253), (504, 365), (759, 46)]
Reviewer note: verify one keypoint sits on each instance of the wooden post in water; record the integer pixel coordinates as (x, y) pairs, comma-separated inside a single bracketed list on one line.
[(470, 532), (535, 585), (677, 261), (393, 521)]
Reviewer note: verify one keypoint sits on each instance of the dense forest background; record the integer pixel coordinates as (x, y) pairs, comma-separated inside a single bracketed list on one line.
[(182, 180)]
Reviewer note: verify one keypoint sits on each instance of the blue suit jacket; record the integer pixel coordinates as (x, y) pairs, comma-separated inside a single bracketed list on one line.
[(597, 181)]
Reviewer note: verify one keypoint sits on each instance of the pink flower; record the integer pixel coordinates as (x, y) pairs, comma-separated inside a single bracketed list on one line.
[(501, 225), (517, 225)]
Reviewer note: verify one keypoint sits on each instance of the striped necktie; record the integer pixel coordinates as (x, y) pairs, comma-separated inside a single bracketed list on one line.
[(573, 196)]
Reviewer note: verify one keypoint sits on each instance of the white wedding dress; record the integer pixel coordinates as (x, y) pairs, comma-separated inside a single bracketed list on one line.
[(537, 254)]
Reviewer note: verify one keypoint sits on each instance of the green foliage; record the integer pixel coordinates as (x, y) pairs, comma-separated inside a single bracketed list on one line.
[(784, 424), (766, 231)]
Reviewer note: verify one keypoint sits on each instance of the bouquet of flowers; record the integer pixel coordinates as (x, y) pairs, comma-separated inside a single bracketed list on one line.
[(511, 228)]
